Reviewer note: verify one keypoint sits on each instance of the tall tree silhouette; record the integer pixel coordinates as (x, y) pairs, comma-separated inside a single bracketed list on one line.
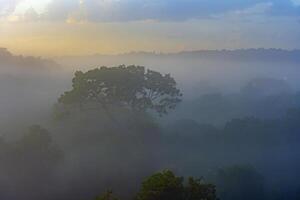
[(132, 87)]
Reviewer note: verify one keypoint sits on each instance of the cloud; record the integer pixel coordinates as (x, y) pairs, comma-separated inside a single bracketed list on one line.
[(285, 8), (60, 9), (158, 10), (261, 8), (29, 16), (296, 2), (167, 10), (7, 7), (162, 10), (253, 13)]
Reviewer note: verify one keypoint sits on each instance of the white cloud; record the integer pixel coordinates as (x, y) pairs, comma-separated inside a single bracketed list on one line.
[(296, 2), (252, 13), (143, 10), (261, 8), (140, 10), (7, 7), (38, 5), (22, 10)]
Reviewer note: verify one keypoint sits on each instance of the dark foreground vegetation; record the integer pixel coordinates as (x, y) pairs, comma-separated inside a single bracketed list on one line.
[(110, 132), (165, 185)]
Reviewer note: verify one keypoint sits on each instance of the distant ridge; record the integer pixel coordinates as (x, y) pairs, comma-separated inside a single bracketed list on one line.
[(238, 54), (261, 54), (8, 60)]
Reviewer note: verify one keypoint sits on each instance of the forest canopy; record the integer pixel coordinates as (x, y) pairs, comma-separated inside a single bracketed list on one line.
[(132, 87)]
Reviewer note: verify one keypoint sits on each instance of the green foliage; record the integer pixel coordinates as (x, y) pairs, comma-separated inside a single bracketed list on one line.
[(196, 190), (60, 112), (132, 87), (107, 196), (29, 164), (35, 151), (240, 182), (165, 185)]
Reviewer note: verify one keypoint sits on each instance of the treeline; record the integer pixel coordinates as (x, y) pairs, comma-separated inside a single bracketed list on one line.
[(263, 98), (166, 185), (272, 146)]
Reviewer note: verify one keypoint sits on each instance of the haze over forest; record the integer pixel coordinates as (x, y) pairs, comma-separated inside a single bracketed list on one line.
[(232, 100), (149, 100)]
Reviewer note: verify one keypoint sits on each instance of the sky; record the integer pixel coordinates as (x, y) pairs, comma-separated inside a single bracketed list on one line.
[(84, 27)]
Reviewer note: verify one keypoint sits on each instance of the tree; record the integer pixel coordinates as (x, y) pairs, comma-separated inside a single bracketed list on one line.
[(35, 153), (162, 186), (108, 195), (197, 190), (165, 185), (33, 159), (240, 183), (131, 87)]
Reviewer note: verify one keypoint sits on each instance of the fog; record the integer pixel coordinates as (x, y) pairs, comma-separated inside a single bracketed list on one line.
[(239, 112), (224, 70)]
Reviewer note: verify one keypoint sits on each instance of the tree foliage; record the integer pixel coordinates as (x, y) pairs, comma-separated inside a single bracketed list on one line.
[(35, 151), (132, 87), (165, 185), (197, 190), (108, 195), (240, 182), (29, 165)]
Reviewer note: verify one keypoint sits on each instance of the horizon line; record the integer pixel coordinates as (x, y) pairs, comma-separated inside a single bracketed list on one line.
[(153, 52)]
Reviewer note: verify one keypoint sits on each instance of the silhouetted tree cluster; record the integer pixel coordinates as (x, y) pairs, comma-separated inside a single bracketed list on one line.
[(132, 87), (108, 195), (166, 185), (30, 162), (240, 182)]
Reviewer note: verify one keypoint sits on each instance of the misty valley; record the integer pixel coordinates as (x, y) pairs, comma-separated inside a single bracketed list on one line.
[(194, 125)]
